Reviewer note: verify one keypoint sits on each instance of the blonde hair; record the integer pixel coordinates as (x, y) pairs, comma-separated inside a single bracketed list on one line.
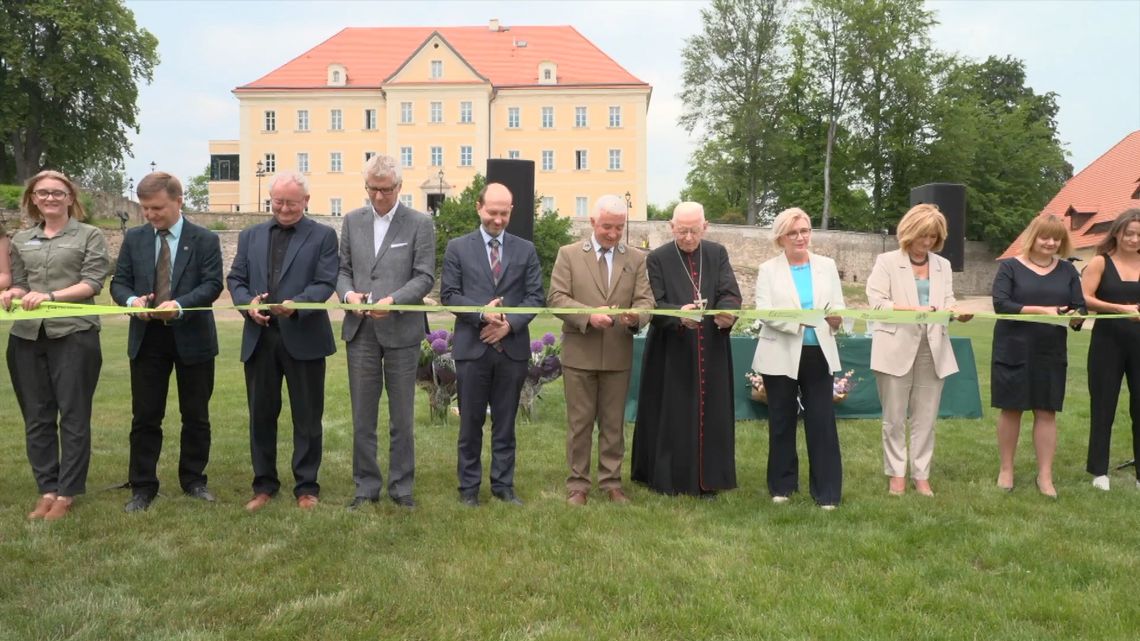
[(1048, 226), (74, 210), (784, 220), (922, 220)]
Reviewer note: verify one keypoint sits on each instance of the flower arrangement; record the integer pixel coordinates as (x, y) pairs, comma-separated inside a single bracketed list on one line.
[(756, 382), (436, 372), (841, 386), (544, 367)]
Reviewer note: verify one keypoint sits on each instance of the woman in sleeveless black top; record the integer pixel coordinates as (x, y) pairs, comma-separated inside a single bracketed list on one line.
[(1111, 285)]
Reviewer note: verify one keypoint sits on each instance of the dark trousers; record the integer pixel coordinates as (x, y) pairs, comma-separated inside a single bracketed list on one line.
[(269, 363), (814, 385), (54, 380), (1114, 353), (495, 380), (150, 384)]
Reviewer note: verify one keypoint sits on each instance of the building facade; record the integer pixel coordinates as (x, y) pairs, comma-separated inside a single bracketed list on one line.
[(442, 102)]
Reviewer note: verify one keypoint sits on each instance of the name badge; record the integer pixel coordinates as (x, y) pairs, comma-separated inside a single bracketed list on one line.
[(35, 242)]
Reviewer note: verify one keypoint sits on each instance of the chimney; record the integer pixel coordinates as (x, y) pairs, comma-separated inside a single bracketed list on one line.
[(494, 25)]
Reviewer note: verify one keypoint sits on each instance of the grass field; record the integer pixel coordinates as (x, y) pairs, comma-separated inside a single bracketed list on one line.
[(971, 563)]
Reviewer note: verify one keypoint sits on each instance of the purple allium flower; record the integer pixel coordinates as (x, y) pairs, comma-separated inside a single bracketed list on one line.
[(439, 346), (535, 347), (548, 339)]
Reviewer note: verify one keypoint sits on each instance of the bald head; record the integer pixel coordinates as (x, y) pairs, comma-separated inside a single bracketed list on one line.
[(688, 225), (494, 207)]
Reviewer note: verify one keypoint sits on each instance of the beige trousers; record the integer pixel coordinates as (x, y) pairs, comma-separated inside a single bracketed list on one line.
[(918, 392), (595, 397)]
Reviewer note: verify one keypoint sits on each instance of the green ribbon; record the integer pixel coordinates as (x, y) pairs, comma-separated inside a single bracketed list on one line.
[(805, 316)]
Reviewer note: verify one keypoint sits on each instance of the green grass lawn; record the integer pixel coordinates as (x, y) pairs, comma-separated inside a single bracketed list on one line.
[(971, 563)]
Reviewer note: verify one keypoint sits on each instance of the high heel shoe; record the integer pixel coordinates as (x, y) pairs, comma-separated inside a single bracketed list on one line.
[(1052, 495)]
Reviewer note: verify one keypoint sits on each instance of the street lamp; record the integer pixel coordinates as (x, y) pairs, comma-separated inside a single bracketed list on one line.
[(439, 205), (152, 166), (260, 173), (628, 207)]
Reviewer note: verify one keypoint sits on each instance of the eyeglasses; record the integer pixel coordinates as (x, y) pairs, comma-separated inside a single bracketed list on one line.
[(386, 191), (798, 233), (44, 194), (683, 231), (286, 204)]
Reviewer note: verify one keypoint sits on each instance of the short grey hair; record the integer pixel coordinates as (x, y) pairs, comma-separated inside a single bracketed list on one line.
[(612, 204), (689, 207), (784, 220), (382, 165), (290, 176)]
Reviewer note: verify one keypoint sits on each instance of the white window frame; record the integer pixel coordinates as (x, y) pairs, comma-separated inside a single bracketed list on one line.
[(336, 162), (513, 154), (581, 118), (270, 120), (581, 159), (615, 116), (513, 118), (547, 118), (270, 163), (465, 111), (465, 155), (336, 120), (303, 162), (435, 112), (436, 69), (406, 108), (547, 204), (581, 206), (407, 200), (436, 156), (615, 160), (547, 160), (406, 156), (336, 206), (302, 120), (370, 120)]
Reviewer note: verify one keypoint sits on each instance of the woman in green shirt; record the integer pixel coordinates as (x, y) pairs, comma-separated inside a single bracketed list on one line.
[(54, 363)]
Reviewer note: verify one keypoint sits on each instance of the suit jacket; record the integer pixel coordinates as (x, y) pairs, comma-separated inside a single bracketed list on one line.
[(894, 347), (467, 281), (576, 282), (195, 281), (403, 269), (781, 342), (308, 275)]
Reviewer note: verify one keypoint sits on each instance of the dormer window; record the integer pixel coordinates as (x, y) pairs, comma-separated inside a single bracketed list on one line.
[(337, 75), (547, 73), (1136, 192)]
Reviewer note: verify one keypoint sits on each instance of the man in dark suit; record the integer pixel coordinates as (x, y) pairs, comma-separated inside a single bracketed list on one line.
[(290, 259), (168, 264), (387, 256), (491, 351)]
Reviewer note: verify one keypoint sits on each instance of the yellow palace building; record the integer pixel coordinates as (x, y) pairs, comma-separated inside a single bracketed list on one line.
[(442, 101)]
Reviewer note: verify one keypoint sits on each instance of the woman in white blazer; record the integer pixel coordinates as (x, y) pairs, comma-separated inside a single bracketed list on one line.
[(797, 360), (911, 361)]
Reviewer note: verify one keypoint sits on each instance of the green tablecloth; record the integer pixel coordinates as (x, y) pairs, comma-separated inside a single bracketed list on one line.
[(960, 396)]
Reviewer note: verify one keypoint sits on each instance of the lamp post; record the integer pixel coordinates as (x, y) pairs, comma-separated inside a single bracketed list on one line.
[(260, 173), (628, 207), (439, 205), (152, 166)]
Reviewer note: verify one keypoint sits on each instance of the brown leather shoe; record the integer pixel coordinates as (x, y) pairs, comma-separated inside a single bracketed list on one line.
[(59, 508), (617, 496), (42, 507), (576, 497), (257, 502), (307, 501)]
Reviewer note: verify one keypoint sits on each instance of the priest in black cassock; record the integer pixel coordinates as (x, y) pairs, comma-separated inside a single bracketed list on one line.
[(684, 439)]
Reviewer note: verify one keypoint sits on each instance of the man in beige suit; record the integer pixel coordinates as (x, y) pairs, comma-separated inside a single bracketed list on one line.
[(597, 349)]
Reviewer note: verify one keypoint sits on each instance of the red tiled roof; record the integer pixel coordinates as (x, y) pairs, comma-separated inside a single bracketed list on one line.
[(372, 54), (1104, 189)]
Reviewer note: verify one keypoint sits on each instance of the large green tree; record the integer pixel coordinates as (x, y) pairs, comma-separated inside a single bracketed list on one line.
[(731, 86), (69, 74)]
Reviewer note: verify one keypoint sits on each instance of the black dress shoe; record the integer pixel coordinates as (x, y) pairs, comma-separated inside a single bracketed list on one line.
[(404, 501), (201, 493), (139, 502), (359, 502), (470, 499), (507, 496)]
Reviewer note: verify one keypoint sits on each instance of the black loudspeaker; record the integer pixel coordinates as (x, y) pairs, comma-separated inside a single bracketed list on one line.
[(518, 176), (951, 200)]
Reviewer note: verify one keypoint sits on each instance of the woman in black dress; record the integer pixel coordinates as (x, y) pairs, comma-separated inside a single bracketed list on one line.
[(1112, 286), (1029, 359)]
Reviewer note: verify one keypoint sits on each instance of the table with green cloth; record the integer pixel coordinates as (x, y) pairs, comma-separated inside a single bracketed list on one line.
[(960, 397)]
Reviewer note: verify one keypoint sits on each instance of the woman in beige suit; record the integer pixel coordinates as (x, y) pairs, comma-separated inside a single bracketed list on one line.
[(797, 360), (911, 361)]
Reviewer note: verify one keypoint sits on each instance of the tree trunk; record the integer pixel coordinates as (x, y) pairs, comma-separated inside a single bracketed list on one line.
[(26, 155), (827, 175)]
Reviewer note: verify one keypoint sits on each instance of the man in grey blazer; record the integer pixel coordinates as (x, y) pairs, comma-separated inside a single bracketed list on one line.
[(387, 256)]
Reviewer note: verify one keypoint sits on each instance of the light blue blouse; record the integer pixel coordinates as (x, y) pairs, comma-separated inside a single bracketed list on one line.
[(923, 285), (801, 275)]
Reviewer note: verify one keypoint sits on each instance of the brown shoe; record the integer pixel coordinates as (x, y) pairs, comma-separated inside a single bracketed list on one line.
[(59, 508), (42, 507), (257, 502), (576, 497), (617, 496), (307, 501)]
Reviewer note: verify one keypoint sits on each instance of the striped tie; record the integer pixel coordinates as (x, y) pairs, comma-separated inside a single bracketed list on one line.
[(162, 269), (496, 264)]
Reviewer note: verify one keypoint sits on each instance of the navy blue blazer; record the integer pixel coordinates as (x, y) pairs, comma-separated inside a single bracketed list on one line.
[(308, 275), (195, 281), (467, 280)]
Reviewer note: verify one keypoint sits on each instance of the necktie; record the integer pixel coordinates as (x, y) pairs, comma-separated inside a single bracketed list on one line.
[(496, 264), (604, 270), (162, 269)]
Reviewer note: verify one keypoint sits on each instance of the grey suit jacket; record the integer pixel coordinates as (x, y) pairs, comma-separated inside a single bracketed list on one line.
[(404, 269)]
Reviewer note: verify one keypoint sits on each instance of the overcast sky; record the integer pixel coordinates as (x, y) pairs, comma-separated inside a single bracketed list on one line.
[(1086, 51)]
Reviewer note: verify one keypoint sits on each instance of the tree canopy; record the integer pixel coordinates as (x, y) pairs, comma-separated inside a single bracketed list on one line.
[(69, 74)]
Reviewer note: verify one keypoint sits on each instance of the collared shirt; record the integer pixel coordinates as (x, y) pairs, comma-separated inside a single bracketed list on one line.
[(172, 241), (380, 225), (77, 254), (487, 243), (609, 257)]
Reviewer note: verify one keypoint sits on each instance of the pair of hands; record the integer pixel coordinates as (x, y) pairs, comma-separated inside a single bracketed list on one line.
[(261, 317), (165, 311), (723, 320), (356, 298), (28, 301), (496, 327), (604, 321)]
